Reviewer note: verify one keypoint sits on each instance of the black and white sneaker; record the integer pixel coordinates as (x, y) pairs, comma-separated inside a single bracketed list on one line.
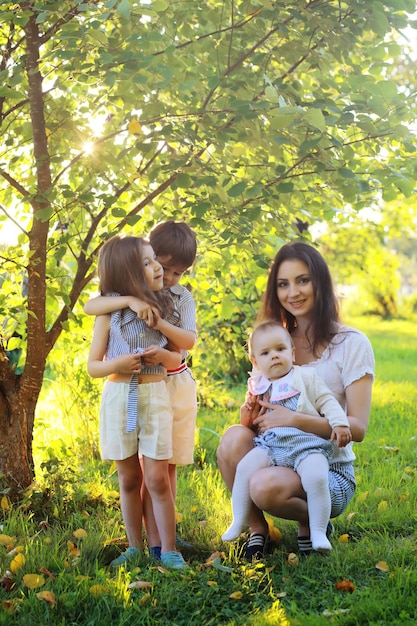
[(256, 546)]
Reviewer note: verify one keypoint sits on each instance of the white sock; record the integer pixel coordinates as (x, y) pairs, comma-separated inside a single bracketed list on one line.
[(241, 500), (314, 473)]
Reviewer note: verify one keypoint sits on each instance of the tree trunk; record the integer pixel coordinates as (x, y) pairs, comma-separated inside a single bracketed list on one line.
[(16, 427), (19, 394)]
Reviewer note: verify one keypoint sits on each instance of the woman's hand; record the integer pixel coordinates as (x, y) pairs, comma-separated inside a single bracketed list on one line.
[(277, 416)]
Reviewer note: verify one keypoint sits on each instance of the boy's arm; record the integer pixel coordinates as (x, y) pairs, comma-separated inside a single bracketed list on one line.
[(183, 339), (170, 359), (102, 305)]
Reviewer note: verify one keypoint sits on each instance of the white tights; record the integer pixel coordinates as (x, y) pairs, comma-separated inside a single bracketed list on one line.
[(314, 474)]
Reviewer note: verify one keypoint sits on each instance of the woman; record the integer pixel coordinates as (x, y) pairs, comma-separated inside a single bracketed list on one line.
[(300, 295)]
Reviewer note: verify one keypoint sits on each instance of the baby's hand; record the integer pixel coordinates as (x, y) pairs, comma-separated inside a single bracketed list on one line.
[(249, 411), (342, 435)]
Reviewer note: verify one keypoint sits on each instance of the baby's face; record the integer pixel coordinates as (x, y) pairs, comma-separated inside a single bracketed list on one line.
[(172, 271), (272, 352)]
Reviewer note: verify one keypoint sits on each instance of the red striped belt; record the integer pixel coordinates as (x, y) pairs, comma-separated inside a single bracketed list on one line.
[(179, 369)]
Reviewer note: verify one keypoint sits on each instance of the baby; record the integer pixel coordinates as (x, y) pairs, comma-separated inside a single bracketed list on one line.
[(300, 389)]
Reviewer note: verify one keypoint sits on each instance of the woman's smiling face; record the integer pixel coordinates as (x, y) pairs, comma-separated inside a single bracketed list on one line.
[(295, 289)]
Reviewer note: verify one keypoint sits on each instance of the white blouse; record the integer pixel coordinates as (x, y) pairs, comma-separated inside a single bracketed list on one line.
[(347, 358)]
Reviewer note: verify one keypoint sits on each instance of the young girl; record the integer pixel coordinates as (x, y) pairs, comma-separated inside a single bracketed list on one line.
[(175, 246), (135, 414)]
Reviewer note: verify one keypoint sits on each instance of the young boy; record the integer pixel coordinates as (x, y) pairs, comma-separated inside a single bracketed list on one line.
[(175, 247)]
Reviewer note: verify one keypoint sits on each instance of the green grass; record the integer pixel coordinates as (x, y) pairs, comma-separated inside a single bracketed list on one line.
[(77, 491)]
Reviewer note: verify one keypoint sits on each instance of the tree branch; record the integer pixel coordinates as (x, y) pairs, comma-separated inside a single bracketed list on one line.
[(15, 222)]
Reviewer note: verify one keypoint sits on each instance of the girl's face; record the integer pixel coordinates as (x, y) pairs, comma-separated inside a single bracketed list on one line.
[(295, 288), (272, 352), (153, 271)]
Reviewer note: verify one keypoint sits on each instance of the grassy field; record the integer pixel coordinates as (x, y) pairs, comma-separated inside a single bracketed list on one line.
[(57, 544)]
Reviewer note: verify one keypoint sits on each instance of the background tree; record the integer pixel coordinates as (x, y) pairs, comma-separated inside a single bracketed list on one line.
[(237, 116)]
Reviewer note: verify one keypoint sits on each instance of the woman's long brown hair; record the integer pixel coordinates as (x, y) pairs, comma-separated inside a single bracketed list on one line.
[(326, 308)]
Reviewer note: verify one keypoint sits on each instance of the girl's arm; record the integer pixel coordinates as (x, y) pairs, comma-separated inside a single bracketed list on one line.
[(183, 339), (102, 305), (98, 367)]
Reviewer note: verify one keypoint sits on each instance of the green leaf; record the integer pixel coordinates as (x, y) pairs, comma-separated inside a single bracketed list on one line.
[(217, 564), (237, 189), (43, 215), (213, 82), (254, 191), (182, 181), (407, 186), (10, 94), (160, 5), (42, 16), (124, 10), (199, 209), (271, 93), (315, 118), (98, 35), (118, 212), (285, 187), (344, 172), (282, 117)]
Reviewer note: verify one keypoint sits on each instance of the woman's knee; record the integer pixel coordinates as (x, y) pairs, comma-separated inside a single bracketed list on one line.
[(272, 487), (261, 487), (235, 443)]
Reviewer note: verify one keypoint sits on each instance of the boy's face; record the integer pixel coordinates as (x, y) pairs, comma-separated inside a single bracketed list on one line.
[(172, 272), (272, 352)]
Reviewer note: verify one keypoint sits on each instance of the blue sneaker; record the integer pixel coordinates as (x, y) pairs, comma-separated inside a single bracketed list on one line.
[(173, 560), (129, 555)]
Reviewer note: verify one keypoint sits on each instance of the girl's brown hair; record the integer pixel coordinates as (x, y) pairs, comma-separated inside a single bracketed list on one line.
[(325, 315), (121, 270)]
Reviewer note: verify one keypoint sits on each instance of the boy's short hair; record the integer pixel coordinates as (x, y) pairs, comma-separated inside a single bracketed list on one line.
[(174, 239)]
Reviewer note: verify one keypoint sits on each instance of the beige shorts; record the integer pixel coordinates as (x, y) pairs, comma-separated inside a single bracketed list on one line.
[(152, 436), (183, 396)]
